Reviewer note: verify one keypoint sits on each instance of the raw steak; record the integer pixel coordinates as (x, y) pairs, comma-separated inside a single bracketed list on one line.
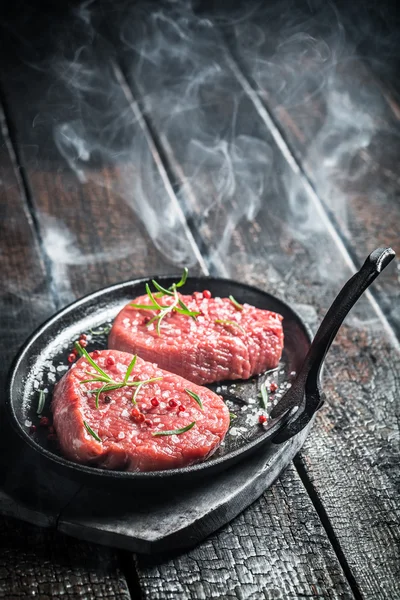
[(247, 342), (127, 441)]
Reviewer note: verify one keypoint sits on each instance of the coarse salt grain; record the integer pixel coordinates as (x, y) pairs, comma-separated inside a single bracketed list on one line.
[(121, 435)]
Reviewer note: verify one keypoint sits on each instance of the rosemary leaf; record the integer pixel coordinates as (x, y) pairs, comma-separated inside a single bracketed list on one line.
[(182, 280), (227, 322), (91, 432), (232, 416), (96, 379), (195, 397), (129, 369), (175, 431), (41, 402), (161, 289), (150, 295), (264, 395), (99, 391), (143, 306), (236, 303), (82, 351)]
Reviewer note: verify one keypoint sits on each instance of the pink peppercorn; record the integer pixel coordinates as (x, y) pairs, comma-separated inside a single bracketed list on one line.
[(135, 413), (154, 401), (110, 361), (173, 403), (83, 336), (95, 353), (262, 419), (71, 358), (207, 294), (181, 408), (44, 421), (273, 387), (83, 343), (148, 422)]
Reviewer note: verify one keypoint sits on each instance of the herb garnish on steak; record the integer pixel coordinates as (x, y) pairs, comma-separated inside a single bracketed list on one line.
[(166, 428), (223, 340)]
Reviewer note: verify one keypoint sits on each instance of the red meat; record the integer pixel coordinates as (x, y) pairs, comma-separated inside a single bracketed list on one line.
[(127, 442), (247, 342)]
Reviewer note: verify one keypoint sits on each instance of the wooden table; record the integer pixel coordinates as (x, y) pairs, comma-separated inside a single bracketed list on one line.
[(260, 147)]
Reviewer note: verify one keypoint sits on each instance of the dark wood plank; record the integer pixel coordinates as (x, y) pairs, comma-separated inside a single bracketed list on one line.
[(35, 561), (25, 298), (275, 549), (277, 235), (50, 565), (342, 126), (105, 208)]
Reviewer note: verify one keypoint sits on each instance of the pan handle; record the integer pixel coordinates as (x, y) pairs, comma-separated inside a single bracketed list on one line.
[(304, 395)]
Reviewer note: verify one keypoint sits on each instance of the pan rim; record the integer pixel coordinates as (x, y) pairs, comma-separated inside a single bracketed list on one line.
[(133, 476)]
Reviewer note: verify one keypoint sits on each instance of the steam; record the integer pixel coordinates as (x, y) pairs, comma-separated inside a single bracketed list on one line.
[(215, 148), (61, 245)]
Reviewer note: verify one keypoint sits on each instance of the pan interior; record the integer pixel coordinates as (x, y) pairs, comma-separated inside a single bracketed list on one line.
[(44, 359)]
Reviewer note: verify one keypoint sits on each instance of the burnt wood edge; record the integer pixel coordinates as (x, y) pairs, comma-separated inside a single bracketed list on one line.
[(329, 530), (347, 250), (10, 137)]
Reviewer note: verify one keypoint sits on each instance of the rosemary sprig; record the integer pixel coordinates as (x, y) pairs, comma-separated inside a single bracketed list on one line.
[(162, 310), (91, 432), (175, 431), (108, 384), (235, 303), (195, 397), (263, 395), (228, 322), (41, 401)]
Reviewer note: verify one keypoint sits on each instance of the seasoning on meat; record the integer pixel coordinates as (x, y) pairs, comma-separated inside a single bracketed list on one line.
[(148, 434), (224, 340)]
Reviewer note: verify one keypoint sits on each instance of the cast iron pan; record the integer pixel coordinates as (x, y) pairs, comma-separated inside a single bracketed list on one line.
[(43, 360)]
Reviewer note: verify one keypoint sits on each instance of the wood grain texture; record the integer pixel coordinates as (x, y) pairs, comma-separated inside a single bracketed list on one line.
[(51, 565), (276, 549), (105, 209), (285, 243), (22, 271), (342, 126), (35, 562)]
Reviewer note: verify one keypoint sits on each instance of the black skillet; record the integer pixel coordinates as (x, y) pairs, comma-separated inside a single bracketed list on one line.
[(43, 360)]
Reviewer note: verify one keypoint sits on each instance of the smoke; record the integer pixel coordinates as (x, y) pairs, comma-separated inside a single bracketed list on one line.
[(62, 247), (153, 98)]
